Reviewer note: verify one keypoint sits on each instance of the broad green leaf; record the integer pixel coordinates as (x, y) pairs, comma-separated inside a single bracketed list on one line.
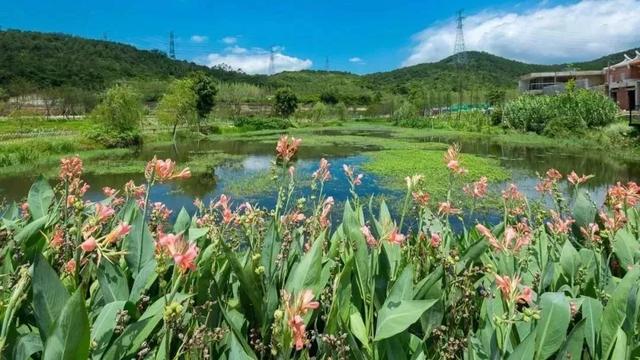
[(526, 349), (49, 296), (626, 247), (113, 283), (40, 198), (182, 221), (102, 329), (270, 251), (306, 274), (615, 312), (592, 313), (569, 260), (620, 348), (584, 211), (143, 281), (70, 338), (27, 346), (31, 231), (139, 245), (572, 348), (396, 316), (551, 329), (357, 327)]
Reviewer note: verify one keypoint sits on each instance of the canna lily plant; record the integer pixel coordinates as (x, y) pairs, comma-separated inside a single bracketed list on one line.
[(118, 279)]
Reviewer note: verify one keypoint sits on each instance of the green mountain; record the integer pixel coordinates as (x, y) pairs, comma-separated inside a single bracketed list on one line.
[(31, 60), (40, 60)]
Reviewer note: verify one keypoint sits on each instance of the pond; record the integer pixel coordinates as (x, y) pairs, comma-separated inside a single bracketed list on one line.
[(248, 175)]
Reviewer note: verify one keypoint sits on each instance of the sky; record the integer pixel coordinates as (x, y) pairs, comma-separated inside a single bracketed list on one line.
[(359, 36)]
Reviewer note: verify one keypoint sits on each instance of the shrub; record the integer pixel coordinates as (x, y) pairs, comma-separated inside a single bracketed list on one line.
[(118, 118), (285, 103), (256, 123), (564, 126)]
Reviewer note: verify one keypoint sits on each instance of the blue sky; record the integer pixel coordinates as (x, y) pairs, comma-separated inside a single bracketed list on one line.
[(358, 36)]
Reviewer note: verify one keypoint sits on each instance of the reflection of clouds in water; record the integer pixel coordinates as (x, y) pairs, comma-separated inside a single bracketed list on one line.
[(257, 163)]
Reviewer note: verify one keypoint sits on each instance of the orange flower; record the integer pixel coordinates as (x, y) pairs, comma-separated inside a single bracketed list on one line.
[(574, 179), (286, 149), (478, 189), (70, 168), (164, 170), (103, 212), (558, 225), (395, 237), (371, 241)]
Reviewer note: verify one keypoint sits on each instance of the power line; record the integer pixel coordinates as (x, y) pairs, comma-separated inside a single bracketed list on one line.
[(172, 46)]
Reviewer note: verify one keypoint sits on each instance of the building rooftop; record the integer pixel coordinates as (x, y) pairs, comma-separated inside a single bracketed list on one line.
[(627, 61), (561, 73)]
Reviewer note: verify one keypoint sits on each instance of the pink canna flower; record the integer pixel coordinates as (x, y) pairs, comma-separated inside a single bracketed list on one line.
[(160, 211), (421, 198), (615, 222), (446, 208), (591, 233), (507, 285), (298, 331), (451, 159), (185, 256), (306, 302), (436, 240), (326, 210), (287, 148), (493, 241), (478, 189), (131, 189), (371, 241), (223, 204), (624, 195), (118, 233), (103, 212), (295, 310), (395, 237), (512, 193), (109, 191), (574, 179), (526, 296), (164, 170), (89, 244), (70, 168), (293, 218), (70, 266), (554, 174), (24, 210), (558, 225), (322, 174)]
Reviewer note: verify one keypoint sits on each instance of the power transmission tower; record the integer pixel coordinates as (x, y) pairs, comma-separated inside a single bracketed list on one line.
[(459, 49), (326, 64), (272, 58), (172, 46), (104, 36)]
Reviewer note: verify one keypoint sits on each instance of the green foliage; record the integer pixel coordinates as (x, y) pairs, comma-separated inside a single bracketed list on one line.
[(406, 111), (285, 103), (560, 114), (205, 90), (319, 111), (329, 98), (496, 97), (178, 105), (261, 123), (118, 118)]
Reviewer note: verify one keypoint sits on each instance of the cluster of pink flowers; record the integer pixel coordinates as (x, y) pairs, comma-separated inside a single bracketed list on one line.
[(184, 254), (591, 233), (558, 225), (616, 221), (160, 212), (293, 218), (576, 180), (395, 237), (478, 189), (71, 168), (295, 312), (112, 193), (421, 198), (57, 239), (547, 184), (322, 174), (287, 148), (368, 236), (452, 159), (510, 291), (164, 170), (447, 208), (515, 238), (24, 210), (355, 180), (326, 211), (624, 195), (223, 204)]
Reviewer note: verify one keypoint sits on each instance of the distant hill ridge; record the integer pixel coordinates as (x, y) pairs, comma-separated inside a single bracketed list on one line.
[(53, 60)]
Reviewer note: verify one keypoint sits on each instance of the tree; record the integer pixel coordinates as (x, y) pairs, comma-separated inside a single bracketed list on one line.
[(318, 111), (286, 102), (120, 110), (205, 92), (496, 97), (329, 98), (178, 105)]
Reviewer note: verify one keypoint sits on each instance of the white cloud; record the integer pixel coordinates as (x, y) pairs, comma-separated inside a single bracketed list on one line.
[(198, 39), (230, 40), (356, 60), (583, 30), (256, 60)]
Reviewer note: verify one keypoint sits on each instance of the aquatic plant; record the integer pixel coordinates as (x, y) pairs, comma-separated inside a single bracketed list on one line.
[(116, 279)]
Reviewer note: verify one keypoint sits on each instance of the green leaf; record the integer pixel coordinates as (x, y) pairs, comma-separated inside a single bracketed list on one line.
[(113, 284), (526, 349), (551, 330), (182, 222), (584, 211), (569, 260), (357, 327), (572, 348), (270, 251), (27, 346), (40, 198), (49, 296), (306, 273), (615, 312), (143, 281), (396, 316), (620, 349), (592, 313), (31, 231), (70, 339), (626, 247), (102, 329), (139, 245)]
